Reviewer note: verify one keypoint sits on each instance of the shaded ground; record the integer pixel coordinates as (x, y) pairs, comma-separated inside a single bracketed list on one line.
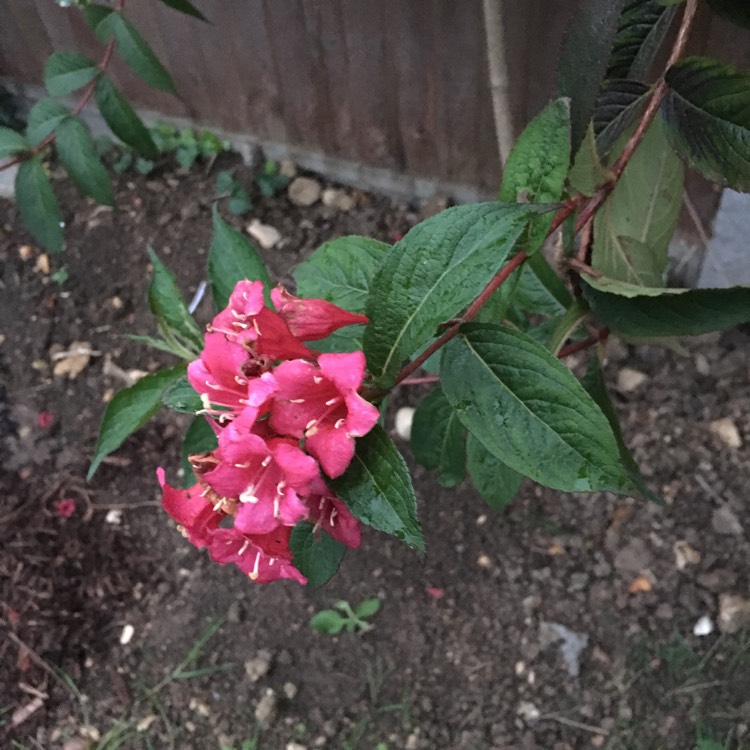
[(469, 666)]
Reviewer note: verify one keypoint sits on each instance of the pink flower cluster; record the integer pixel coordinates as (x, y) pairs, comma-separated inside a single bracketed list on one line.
[(286, 417)]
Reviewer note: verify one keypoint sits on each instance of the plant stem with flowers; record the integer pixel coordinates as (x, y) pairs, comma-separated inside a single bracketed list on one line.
[(286, 450)]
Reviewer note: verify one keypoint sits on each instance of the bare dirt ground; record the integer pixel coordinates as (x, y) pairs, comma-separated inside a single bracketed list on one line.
[(565, 622)]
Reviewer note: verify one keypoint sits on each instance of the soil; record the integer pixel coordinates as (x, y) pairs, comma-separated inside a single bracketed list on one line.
[(464, 651)]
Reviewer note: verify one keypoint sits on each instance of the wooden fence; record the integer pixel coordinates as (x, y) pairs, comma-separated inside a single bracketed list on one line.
[(395, 84)]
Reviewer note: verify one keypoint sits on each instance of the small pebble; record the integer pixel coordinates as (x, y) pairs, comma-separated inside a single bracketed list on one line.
[(629, 380), (127, 635), (404, 420), (726, 430)]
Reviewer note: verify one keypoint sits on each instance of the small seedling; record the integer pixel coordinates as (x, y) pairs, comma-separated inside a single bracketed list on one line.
[(343, 617), (228, 187), (270, 180), (251, 743), (60, 276)]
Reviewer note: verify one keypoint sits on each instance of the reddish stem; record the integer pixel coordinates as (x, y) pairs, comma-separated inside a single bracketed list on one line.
[(580, 346), (660, 90), (84, 100), (420, 381), (495, 283)]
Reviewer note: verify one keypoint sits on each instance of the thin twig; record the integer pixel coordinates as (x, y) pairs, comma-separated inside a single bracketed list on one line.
[(575, 724), (84, 100), (34, 656), (497, 63), (420, 381)]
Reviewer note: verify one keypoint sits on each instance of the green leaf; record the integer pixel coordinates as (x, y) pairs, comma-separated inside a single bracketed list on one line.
[(676, 312), (736, 11), (44, 117), (642, 29), (619, 104), (540, 291), (130, 409), (122, 119), (495, 482), (12, 142), (225, 182), (182, 397), (588, 174), (593, 382), (438, 439), (633, 228), (183, 6), (167, 305), (377, 489), (538, 164), (341, 271), (347, 339), (707, 114), (65, 72), (428, 277), (95, 14), (38, 205), (232, 258), (199, 438), (565, 326), (367, 608), (316, 554), (328, 621), (584, 58), (239, 203), (528, 410), (186, 155), (134, 50), (163, 346), (77, 152)]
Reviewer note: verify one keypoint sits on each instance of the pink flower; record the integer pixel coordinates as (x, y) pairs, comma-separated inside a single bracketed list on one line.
[(329, 513), (266, 474), (191, 509), (312, 319), (243, 342), (320, 403), (44, 419), (66, 507), (262, 558)]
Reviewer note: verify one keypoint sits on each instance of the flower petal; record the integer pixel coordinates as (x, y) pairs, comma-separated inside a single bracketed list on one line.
[(346, 370), (332, 447)]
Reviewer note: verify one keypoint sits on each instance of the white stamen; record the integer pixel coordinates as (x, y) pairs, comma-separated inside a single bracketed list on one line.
[(255, 326), (276, 510), (239, 380), (338, 423), (296, 400), (317, 379), (248, 497), (253, 574), (206, 401), (280, 487), (310, 424), (205, 492), (334, 512), (219, 504), (244, 546), (242, 466), (267, 460), (271, 562), (214, 386), (332, 401)]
